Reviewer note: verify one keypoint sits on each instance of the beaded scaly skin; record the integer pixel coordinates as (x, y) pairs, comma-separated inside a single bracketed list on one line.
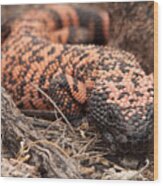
[(43, 47)]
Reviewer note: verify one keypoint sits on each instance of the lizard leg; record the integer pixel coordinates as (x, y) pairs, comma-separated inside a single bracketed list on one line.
[(69, 94)]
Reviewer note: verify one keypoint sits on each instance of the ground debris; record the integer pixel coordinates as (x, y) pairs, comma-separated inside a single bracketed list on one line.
[(15, 168), (33, 147)]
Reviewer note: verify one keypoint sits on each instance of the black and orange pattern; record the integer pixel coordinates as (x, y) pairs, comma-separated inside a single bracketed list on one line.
[(43, 47)]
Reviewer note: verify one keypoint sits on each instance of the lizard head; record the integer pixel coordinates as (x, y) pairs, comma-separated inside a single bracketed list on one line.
[(123, 112)]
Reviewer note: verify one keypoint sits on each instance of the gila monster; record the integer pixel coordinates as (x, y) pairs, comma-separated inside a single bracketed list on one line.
[(53, 48)]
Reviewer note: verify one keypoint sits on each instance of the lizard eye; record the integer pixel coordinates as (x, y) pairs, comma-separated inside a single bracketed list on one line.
[(111, 115)]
